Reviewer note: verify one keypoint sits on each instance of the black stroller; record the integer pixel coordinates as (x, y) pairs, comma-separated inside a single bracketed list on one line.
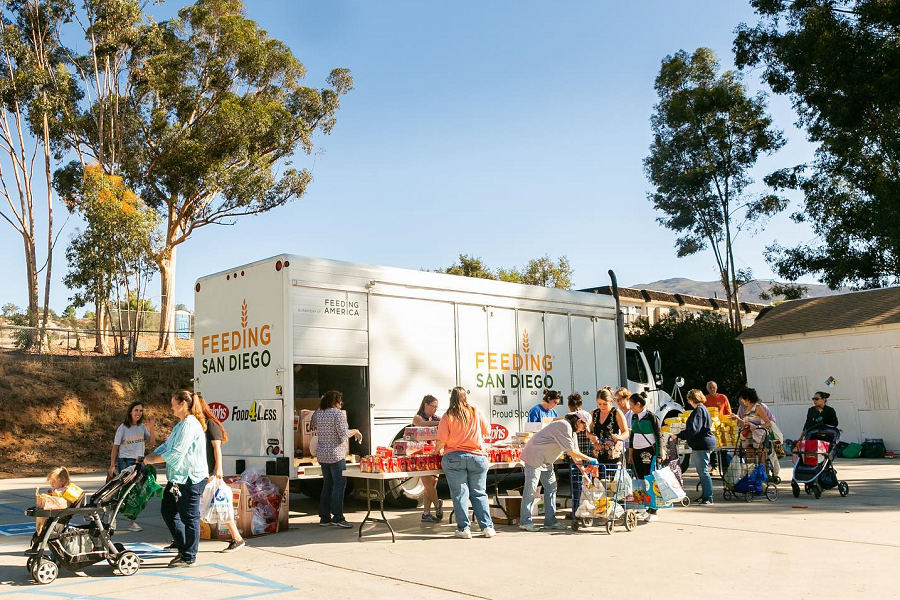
[(77, 546), (815, 469)]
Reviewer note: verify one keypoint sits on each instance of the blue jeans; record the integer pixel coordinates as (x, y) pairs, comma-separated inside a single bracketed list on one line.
[(182, 517), (467, 477), (547, 477), (700, 461), (124, 463), (331, 504)]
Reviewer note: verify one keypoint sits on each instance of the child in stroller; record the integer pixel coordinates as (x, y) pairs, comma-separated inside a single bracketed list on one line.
[(815, 465), (56, 542)]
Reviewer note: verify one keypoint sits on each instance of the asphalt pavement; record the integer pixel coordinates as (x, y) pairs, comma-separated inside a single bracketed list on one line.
[(832, 547)]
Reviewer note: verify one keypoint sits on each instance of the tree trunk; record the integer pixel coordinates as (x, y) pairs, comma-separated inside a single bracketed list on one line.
[(34, 335), (48, 175), (100, 346), (167, 300)]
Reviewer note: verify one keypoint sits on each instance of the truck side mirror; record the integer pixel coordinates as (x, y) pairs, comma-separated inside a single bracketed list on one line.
[(657, 362)]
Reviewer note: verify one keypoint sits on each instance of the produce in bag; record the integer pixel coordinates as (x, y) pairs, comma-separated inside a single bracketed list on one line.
[(136, 500), (591, 495), (216, 503)]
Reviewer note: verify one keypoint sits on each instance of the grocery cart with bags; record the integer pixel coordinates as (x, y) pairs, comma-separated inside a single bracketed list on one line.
[(747, 472), (660, 490), (604, 501)]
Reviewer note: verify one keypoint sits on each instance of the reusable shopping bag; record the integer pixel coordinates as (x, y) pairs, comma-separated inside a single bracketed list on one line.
[(216, 503), (136, 500), (669, 487)]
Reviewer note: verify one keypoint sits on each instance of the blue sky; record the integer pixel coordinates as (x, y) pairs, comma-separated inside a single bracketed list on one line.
[(505, 130)]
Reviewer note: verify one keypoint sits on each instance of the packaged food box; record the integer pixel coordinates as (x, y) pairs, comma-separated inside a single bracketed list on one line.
[(408, 447)]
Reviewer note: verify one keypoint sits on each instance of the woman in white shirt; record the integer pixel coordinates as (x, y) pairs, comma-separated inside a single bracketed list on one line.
[(130, 442)]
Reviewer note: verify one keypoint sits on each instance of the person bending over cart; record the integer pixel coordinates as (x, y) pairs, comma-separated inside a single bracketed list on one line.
[(539, 454)]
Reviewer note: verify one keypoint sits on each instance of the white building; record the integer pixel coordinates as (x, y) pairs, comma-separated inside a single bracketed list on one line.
[(846, 345)]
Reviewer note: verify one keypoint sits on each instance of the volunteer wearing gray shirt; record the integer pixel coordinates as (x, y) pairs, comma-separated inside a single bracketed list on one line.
[(539, 455)]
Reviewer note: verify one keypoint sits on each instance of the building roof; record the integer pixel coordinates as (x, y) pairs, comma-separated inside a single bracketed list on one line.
[(645, 295), (687, 300), (842, 311)]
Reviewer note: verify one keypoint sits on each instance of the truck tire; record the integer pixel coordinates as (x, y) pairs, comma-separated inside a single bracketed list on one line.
[(407, 494)]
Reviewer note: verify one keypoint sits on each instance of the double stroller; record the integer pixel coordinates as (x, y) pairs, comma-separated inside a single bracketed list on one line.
[(57, 543), (814, 468)]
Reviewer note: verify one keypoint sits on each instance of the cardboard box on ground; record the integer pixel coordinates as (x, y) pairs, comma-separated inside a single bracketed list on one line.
[(243, 511)]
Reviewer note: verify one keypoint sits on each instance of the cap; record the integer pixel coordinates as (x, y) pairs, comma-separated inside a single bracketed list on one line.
[(584, 416)]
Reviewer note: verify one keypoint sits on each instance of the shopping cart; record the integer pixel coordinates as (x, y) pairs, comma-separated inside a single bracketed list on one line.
[(604, 498), (748, 473)]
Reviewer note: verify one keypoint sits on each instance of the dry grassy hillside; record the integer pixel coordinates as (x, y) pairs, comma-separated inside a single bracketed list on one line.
[(64, 411)]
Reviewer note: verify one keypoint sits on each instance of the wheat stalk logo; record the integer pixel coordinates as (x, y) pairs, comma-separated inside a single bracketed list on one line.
[(525, 341), (244, 314)]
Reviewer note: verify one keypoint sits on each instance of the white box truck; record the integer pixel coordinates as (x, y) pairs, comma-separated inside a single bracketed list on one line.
[(270, 333)]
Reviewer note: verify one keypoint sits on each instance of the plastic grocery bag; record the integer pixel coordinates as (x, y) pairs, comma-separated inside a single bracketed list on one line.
[(216, 503), (669, 487), (136, 500), (591, 495), (625, 483), (736, 470)]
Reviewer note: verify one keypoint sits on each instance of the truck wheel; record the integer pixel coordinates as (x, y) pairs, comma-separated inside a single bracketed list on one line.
[(406, 494)]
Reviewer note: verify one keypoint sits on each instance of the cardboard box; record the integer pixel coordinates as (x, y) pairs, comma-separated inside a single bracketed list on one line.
[(243, 511), (513, 507)]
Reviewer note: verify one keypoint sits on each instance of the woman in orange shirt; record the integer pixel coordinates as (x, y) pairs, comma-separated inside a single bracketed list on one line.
[(460, 436)]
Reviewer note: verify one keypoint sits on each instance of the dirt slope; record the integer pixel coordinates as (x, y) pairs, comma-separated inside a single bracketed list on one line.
[(63, 411)]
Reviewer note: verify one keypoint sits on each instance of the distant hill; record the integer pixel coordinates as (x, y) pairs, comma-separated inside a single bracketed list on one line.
[(710, 289)]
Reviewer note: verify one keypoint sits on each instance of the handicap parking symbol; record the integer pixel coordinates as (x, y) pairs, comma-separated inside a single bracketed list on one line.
[(18, 529)]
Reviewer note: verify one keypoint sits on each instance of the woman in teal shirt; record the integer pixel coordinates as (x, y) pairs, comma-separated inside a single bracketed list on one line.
[(185, 456)]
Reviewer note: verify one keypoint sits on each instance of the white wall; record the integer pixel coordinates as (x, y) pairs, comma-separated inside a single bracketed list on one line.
[(865, 363)]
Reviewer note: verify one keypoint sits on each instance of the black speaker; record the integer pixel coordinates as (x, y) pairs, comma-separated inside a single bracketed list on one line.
[(282, 466), (240, 465), (271, 467)]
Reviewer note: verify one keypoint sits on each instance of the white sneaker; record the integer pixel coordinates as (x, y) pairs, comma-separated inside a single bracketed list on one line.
[(651, 517), (490, 532), (465, 534), (134, 527)]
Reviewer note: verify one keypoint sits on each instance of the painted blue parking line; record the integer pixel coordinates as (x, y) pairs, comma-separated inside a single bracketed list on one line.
[(260, 585), (12, 509), (18, 529)]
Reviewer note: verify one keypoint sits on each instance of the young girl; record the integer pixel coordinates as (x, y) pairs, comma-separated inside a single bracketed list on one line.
[(61, 485), (129, 443)]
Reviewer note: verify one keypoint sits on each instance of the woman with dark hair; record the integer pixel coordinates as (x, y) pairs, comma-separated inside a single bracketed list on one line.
[(461, 434), (426, 416), (644, 441), (215, 437), (608, 430), (546, 409), (130, 442), (819, 413), (186, 471), (333, 433), (539, 454)]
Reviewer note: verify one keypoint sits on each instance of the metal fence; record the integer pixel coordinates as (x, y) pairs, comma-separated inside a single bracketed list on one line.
[(75, 340)]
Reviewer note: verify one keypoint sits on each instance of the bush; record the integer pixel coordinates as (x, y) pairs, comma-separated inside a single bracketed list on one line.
[(699, 348)]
